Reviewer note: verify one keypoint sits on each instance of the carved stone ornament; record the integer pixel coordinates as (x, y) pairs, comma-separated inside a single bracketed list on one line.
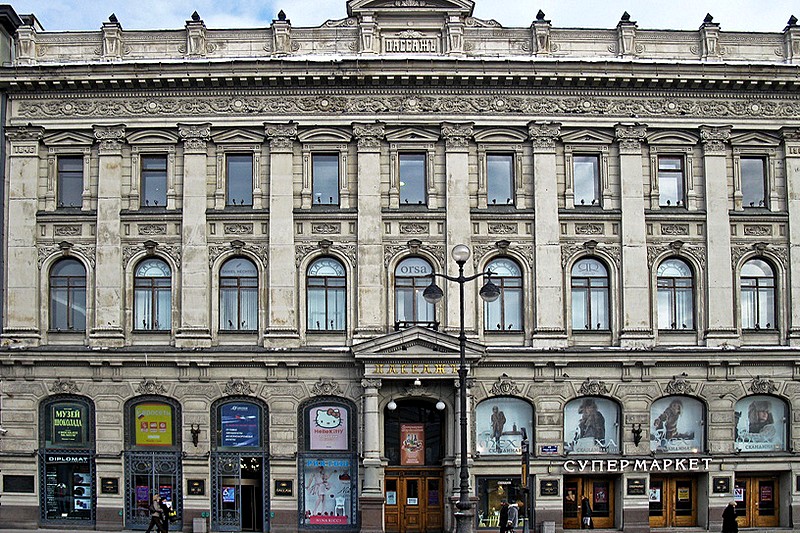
[(369, 135), (195, 136), (630, 137), (589, 229), (110, 138), (593, 387), (504, 386), (45, 252), (64, 386), (499, 228), (281, 136), (674, 229), (457, 135), (238, 228), (544, 134), (326, 228), (238, 387), (24, 133), (762, 386), (679, 385), (71, 230), (368, 383), (414, 228), (761, 230), (150, 386), (715, 139), (326, 387), (152, 229)]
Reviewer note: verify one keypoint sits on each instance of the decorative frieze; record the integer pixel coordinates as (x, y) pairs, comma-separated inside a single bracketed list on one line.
[(369, 136), (236, 387), (110, 138), (544, 134), (674, 229), (152, 229), (715, 139), (238, 228), (500, 228), (259, 250), (457, 136), (589, 229), (630, 137), (281, 136), (757, 230), (371, 383), (150, 386), (71, 230), (698, 253), (86, 251), (326, 387), (504, 386), (593, 387), (65, 386), (326, 228), (195, 136), (679, 385), (762, 386)]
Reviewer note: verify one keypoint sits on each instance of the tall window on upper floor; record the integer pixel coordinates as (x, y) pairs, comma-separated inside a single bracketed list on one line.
[(412, 276), (154, 181), (675, 295), (505, 313), (325, 179), (70, 181), (238, 295), (68, 296), (412, 179), (326, 295), (590, 306), (152, 293), (671, 181), (500, 179), (753, 182), (239, 183), (758, 295), (586, 174)]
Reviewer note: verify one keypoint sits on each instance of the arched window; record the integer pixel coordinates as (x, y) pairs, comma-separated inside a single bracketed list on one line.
[(68, 296), (589, 295), (412, 276), (500, 422), (152, 288), (238, 295), (505, 313), (591, 425), (761, 423), (675, 295), (326, 295), (677, 424), (758, 295)]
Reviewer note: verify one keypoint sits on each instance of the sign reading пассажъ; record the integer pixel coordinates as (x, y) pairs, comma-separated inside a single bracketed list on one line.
[(693, 464), (411, 369)]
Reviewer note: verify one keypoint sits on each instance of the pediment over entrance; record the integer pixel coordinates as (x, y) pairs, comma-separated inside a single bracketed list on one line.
[(463, 7)]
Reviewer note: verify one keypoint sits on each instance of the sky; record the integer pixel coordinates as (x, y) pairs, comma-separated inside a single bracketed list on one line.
[(737, 15)]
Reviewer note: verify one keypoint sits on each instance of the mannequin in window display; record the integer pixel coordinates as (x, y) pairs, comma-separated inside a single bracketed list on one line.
[(318, 487)]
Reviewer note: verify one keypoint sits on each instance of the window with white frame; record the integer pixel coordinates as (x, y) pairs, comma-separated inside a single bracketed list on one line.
[(675, 295), (412, 276), (671, 181), (325, 178), (326, 295), (154, 181), (238, 295), (586, 178), (68, 296), (500, 179), (505, 313), (152, 296), (413, 179), (239, 183), (758, 295), (70, 181), (590, 300), (753, 176)]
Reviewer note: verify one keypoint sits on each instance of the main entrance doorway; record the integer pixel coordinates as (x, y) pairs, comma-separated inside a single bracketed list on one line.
[(673, 502), (599, 491), (757, 501), (238, 485), (414, 501)]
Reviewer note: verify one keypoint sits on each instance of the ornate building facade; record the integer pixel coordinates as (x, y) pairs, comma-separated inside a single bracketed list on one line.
[(217, 243)]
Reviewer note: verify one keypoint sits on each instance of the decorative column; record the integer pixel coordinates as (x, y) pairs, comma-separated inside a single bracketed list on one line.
[(371, 496), (635, 306), (791, 143), (549, 277), (282, 314), (21, 324), (719, 274), (109, 294), (195, 321), (371, 274), (459, 230)]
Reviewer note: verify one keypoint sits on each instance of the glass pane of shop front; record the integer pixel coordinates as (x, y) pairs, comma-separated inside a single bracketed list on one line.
[(69, 487)]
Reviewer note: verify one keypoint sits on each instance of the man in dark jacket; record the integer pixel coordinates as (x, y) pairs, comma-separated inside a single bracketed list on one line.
[(503, 521), (729, 523), (164, 515), (586, 514)]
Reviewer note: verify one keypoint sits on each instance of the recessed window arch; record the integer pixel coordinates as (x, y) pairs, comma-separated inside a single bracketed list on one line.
[(499, 426), (152, 295), (238, 295), (505, 313), (590, 295), (591, 425), (326, 295), (412, 276), (675, 295), (677, 424), (761, 424), (68, 295), (758, 295)]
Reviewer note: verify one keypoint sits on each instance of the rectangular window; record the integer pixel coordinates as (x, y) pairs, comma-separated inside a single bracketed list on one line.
[(70, 181), (154, 181), (586, 178), (500, 179), (325, 179), (670, 181), (239, 179), (753, 182), (412, 179)]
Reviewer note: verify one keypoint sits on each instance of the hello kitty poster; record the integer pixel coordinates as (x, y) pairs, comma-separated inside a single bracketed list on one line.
[(328, 425)]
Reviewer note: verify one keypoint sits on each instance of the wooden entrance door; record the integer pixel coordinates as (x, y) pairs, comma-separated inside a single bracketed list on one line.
[(673, 502), (599, 491), (414, 502), (757, 501)]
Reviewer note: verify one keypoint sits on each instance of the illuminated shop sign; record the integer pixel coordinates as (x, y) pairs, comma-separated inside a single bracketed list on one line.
[(692, 464)]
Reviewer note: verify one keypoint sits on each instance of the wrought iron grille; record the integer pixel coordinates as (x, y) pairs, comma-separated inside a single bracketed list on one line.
[(152, 465)]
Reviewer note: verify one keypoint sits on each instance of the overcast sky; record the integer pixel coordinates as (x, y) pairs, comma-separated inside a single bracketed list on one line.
[(737, 15)]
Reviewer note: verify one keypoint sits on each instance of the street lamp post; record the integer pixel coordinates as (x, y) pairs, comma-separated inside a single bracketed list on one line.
[(432, 294)]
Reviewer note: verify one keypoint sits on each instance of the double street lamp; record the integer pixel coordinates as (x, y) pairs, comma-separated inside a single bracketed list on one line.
[(489, 293)]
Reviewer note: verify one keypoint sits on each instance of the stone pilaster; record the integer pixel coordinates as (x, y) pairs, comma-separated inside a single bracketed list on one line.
[(26, 45), (282, 314), (457, 137), (195, 320), (635, 303), (540, 30), (720, 327), (371, 274), (21, 324), (281, 35), (112, 39), (195, 37), (455, 35), (709, 37), (108, 330), (791, 41), (626, 36), (367, 28), (549, 293), (791, 142)]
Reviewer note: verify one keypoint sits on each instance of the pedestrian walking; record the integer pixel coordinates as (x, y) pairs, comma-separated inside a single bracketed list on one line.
[(729, 523)]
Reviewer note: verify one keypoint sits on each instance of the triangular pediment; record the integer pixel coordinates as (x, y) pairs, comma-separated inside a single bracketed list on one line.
[(672, 137), (152, 137), (754, 138), (68, 138), (321, 135), (587, 136), (238, 135), (411, 135), (463, 7), (415, 344), (500, 135)]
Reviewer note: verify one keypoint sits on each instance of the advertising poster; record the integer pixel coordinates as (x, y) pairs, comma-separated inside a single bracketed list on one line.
[(328, 427), (412, 444), (69, 424), (676, 425), (499, 423), (590, 426), (228, 494), (240, 425), (153, 424), (760, 424), (327, 492)]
